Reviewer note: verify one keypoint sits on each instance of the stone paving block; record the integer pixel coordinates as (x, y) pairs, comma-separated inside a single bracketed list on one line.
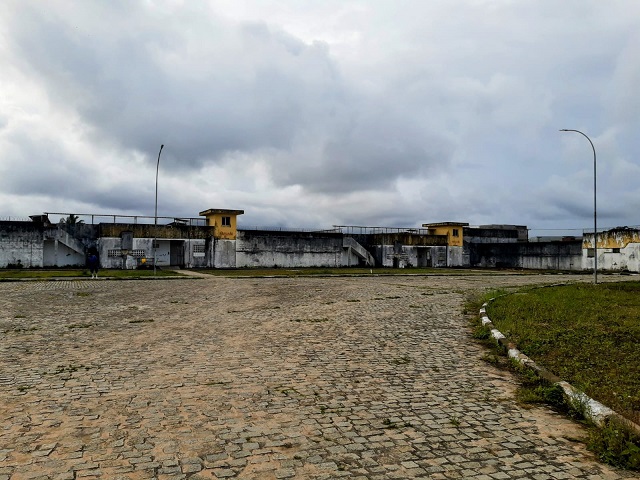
[(255, 378)]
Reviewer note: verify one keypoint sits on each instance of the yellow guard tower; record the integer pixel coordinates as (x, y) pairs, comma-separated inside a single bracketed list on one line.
[(453, 231), (223, 222)]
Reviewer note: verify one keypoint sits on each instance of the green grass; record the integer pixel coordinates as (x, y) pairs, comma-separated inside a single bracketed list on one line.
[(10, 274), (588, 335)]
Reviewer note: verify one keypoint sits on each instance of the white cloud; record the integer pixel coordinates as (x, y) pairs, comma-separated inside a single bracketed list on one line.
[(324, 113)]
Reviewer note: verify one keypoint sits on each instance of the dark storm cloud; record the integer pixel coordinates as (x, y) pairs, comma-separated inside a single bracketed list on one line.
[(248, 88), (387, 113)]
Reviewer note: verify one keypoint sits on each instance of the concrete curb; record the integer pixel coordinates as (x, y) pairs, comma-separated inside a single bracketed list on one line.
[(593, 410)]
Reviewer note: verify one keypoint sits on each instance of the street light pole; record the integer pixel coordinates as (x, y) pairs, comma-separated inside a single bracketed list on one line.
[(595, 214), (155, 221)]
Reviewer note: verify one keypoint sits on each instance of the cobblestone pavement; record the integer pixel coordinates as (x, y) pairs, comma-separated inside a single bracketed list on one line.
[(318, 378)]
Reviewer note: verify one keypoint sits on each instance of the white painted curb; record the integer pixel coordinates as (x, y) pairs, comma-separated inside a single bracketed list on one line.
[(592, 409)]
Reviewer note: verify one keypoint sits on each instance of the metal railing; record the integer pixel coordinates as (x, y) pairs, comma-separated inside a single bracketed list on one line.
[(288, 229), (15, 219), (361, 230), (137, 219)]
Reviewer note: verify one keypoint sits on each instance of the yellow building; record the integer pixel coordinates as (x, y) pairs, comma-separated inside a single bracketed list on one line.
[(223, 222), (453, 231)]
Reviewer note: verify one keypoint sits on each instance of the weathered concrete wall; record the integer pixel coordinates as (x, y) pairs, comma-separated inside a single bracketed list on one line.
[(408, 256), (182, 232), (21, 242), (489, 235), (223, 253), (618, 250), (404, 238), (288, 249), (57, 254), (195, 254), (538, 255), (456, 257), (626, 259)]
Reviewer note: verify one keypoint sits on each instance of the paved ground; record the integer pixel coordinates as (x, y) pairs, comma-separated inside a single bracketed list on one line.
[(318, 378)]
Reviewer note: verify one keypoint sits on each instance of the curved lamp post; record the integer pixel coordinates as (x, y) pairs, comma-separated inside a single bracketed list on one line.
[(595, 215), (155, 221)]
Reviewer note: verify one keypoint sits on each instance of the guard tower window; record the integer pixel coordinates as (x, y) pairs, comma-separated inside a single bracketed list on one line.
[(226, 221), (456, 232)]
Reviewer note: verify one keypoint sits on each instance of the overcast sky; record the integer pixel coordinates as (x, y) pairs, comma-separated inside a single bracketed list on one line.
[(323, 112)]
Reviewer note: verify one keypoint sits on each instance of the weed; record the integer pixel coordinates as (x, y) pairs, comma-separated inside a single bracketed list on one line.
[(24, 388), (142, 320), (389, 424), (20, 316), (454, 420), (82, 294), (218, 382), (310, 320), (353, 300), (401, 361), (60, 369), (79, 325), (491, 358), (482, 332), (616, 444), (23, 329)]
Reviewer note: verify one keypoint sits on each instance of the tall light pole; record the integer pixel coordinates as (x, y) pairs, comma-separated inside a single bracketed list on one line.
[(155, 221), (595, 210)]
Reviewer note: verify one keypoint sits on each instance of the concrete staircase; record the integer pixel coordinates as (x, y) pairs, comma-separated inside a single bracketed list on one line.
[(70, 241), (353, 246)]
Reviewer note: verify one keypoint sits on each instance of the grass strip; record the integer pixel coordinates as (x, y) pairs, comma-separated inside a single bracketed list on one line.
[(10, 274), (588, 335)]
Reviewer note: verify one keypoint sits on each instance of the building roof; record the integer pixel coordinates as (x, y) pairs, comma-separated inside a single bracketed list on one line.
[(446, 224), (213, 211)]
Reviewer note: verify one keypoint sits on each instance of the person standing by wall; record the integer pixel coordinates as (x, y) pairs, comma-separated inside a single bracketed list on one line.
[(94, 264)]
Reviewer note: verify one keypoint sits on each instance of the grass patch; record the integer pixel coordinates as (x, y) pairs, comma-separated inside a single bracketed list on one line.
[(79, 325), (587, 335), (10, 274), (616, 444)]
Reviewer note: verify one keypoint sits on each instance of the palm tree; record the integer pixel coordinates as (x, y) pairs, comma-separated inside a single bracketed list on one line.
[(71, 222)]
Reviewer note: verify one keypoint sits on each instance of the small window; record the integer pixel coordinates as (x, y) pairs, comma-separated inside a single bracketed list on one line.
[(590, 252), (226, 221), (138, 253), (615, 250), (112, 253), (456, 232), (198, 248)]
